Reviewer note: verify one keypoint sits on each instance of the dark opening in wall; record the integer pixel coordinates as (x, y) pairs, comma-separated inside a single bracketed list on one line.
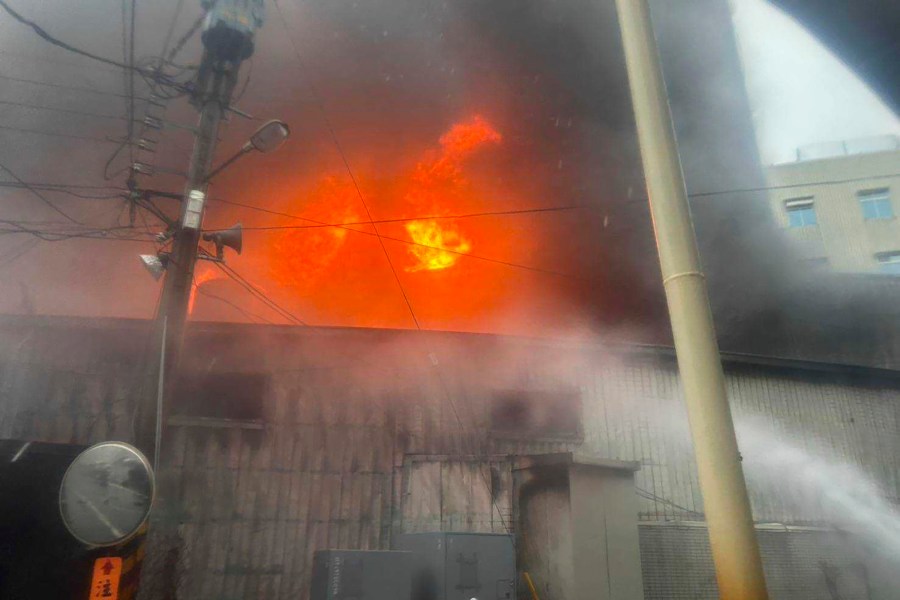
[(537, 414), (217, 395)]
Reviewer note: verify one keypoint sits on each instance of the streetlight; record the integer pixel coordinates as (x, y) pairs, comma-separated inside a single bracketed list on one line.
[(270, 136)]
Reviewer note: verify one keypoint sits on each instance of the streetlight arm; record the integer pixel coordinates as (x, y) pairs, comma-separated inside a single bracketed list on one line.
[(245, 149)]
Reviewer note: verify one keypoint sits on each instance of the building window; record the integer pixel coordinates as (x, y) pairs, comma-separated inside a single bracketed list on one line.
[(889, 262), (537, 414), (801, 212), (221, 395), (876, 204)]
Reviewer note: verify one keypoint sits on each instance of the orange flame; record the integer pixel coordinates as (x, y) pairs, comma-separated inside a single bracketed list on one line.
[(328, 273), (433, 254), (436, 181), (203, 274)]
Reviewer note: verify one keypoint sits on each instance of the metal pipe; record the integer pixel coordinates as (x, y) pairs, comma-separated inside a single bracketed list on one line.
[(732, 537), (160, 389)]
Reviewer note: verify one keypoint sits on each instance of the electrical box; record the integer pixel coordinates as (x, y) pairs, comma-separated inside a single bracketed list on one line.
[(461, 566), (360, 574)]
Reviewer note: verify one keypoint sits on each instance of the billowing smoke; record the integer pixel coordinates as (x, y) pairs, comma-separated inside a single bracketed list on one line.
[(375, 87)]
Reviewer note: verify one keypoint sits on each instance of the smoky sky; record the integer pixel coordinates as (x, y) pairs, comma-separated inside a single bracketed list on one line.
[(386, 78)]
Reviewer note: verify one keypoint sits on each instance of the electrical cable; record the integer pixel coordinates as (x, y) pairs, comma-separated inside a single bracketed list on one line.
[(68, 192), (62, 110), (62, 135), (189, 33), (240, 94), (246, 313), (55, 186), (337, 145), (522, 211), (41, 196), (61, 86), (26, 226), (264, 299), (60, 187), (57, 236), (154, 76), (171, 31), (40, 31), (148, 205), (259, 294), (371, 221), (414, 243), (56, 61), (24, 248), (234, 275), (788, 186)]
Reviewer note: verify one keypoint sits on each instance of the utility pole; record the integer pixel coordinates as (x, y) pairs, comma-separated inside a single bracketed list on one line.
[(228, 41), (731, 533)]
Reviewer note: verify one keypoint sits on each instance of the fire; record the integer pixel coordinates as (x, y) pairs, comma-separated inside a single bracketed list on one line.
[(456, 145), (441, 239), (203, 274), (339, 274), (302, 256), (437, 181)]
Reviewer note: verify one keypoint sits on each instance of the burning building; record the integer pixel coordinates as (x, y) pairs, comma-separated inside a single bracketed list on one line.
[(285, 440)]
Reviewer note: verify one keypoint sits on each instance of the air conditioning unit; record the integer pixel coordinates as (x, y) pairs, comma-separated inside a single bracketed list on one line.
[(360, 575), (461, 566)]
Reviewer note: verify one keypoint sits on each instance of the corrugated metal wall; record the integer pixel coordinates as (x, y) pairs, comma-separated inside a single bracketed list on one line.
[(365, 432), (799, 565)]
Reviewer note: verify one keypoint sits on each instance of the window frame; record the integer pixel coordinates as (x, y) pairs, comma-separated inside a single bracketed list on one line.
[(888, 261), (801, 207), (877, 198)]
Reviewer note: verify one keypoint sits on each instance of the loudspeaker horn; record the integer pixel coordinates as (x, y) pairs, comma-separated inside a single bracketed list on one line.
[(233, 238)]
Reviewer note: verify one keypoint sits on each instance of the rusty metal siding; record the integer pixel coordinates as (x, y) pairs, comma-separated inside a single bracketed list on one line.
[(346, 409)]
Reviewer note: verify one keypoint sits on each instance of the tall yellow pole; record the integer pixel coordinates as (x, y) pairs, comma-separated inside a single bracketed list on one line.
[(732, 537)]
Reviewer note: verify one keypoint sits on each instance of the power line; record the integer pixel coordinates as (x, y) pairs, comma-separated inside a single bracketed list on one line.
[(63, 110), (522, 211), (105, 233), (72, 193), (259, 294), (24, 248), (62, 86), (343, 156), (26, 226), (41, 196), (246, 313), (793, 185), (381, 239), (59, 186), (56, 61), (149, 75), (414, 243), (171, 31), (72, 136), (41, 32), (189, 33)]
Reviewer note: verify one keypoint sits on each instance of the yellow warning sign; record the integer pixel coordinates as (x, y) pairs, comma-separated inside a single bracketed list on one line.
[(105, 583)]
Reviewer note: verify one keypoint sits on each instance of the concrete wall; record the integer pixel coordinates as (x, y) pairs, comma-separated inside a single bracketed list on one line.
[(842, 235)]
